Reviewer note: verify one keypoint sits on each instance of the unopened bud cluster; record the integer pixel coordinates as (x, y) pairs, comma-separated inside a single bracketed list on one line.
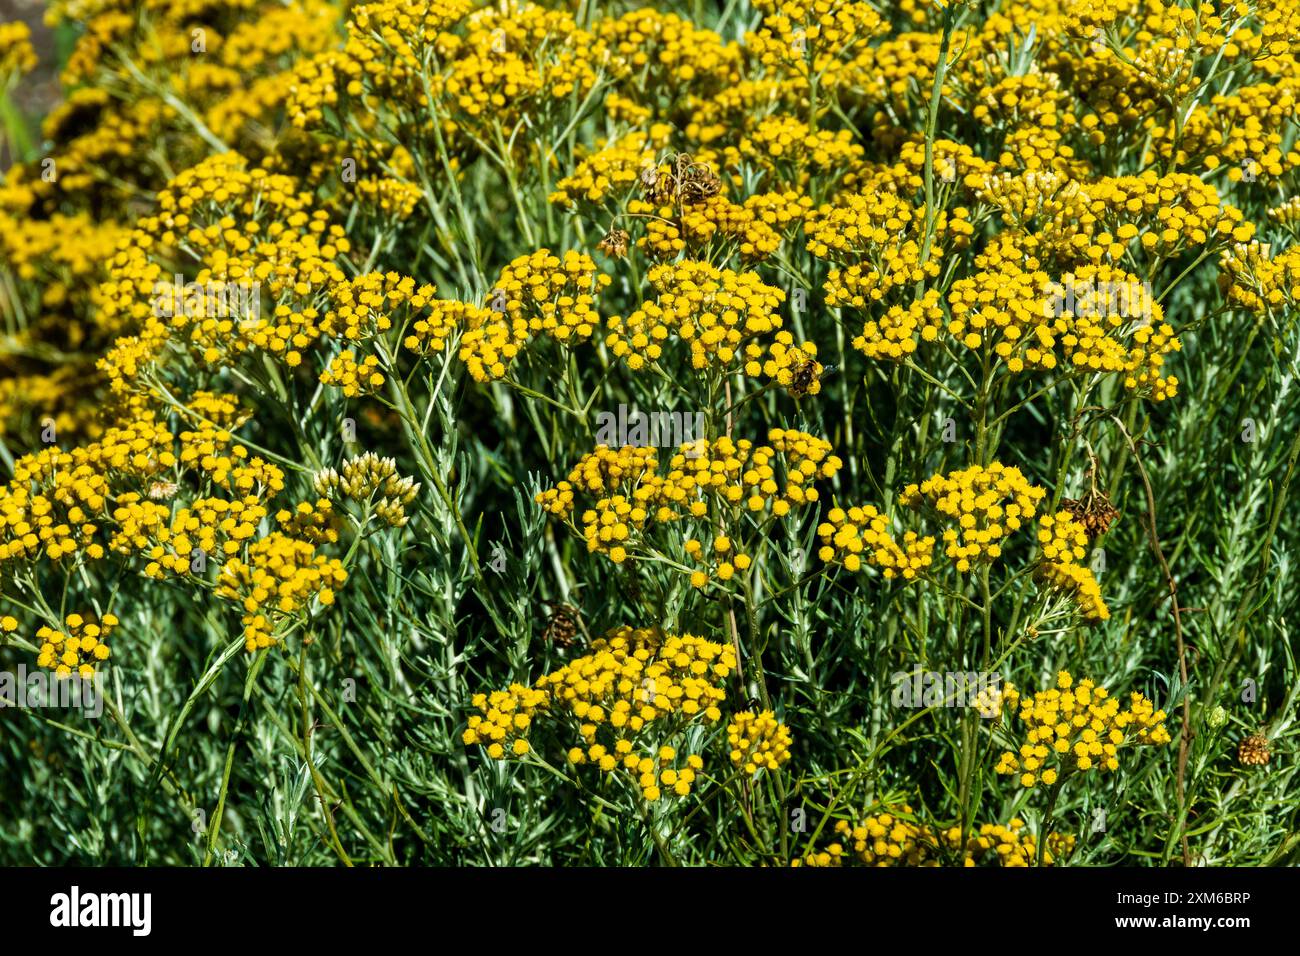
[(368, 477)]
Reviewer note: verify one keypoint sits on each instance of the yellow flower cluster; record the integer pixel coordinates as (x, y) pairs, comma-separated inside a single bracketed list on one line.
[(780, 212), (1253, 279), (64, 253), (115, 148), (354, 377), (1046, 210), (217, 410), (256, 237), (363, 307), (175, 502), (514, 60), (314, 521), (956, 166), (795, 153), (16, 53), (210, 448), (1006, 309), (1107, 300), (722, 556), (1242, 131), (634, 682), (758, 741), (1062, 538), (745, 225), (1033, 99), (739, 471), (808, 39), (706, 481), (609, 172), (1075, 729), (216, 527), (76, 649), (1064, 543), (893, 337), (709, 227), (279, 579), (657, 775), (635, 685), (850, 536), (1167, 215), (1083, 321), (54, 504), (877, 237), (987, 504), (598, 472), (657, 54), (430, 333), (504, 720), (793, 367), (386, 41), (536, 295), (714, 310), (390, 197), (897, 839)]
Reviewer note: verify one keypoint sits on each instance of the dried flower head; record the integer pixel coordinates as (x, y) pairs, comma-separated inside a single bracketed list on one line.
[(1093, 510), (562, 624), (615, 243), (1254, 751)]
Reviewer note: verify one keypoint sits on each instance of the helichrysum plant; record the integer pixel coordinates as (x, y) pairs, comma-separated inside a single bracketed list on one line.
[(815, 433)]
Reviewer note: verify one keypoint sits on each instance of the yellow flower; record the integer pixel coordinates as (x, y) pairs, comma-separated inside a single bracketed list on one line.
[(758, 741), (1074, 718)]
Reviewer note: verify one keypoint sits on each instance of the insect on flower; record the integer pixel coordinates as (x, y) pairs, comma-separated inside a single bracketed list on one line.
[(685, 182)]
